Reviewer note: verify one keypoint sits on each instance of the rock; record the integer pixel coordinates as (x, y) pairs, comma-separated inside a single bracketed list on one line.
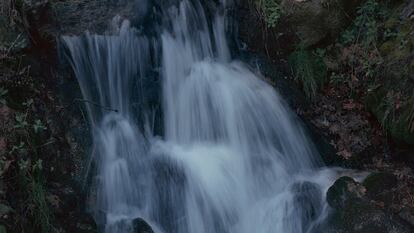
[(75, 17), (355, 213), (316, 21), (344, 190), (140, 226), (380, 187), (377, 183)]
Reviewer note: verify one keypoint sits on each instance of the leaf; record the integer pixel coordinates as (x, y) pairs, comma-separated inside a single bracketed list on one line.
[(345, 154)]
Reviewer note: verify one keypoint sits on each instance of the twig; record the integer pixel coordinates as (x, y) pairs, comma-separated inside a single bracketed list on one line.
[(96, 104)]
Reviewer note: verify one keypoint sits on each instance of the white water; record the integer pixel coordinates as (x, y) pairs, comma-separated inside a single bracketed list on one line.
[(233, 158)]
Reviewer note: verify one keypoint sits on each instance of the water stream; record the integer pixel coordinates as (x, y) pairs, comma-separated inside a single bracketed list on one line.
[(231, 157)]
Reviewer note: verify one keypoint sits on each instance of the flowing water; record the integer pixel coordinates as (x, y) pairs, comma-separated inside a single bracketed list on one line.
[(231, 157)]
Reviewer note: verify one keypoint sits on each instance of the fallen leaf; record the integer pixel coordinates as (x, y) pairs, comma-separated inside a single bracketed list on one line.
[(345, 154)]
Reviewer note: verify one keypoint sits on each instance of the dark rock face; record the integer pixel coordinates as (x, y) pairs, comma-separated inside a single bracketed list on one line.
[(354, 212), (140, 226)]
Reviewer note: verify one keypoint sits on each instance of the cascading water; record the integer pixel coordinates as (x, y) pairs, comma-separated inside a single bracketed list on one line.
[(232, 158)]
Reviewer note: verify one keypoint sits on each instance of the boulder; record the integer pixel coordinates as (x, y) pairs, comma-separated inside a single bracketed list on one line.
[(379, 186), (354, 212), (344, 191), (318, 20)]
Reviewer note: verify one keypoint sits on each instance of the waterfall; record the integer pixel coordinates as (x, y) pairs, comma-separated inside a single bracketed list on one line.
[(231, 157)]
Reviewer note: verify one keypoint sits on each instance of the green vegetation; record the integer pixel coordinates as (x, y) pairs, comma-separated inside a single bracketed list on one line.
[(366, 25), (270, 11), (309, 69), (30, 175)]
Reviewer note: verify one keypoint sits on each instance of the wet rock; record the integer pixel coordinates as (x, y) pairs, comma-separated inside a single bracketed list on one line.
[(344, 191), (354, 212), (140, 226), (379, 186)]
